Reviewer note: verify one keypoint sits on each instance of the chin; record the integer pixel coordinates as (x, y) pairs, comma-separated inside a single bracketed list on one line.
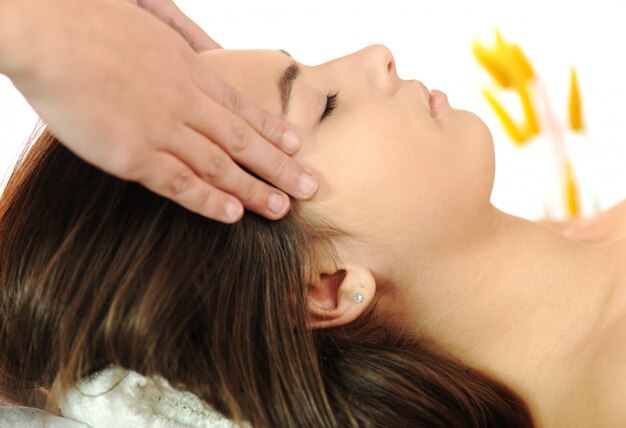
[(473, 127), (479, 152)]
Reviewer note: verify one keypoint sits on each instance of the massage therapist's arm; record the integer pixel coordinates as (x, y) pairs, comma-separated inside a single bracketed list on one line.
[(168, 12), (128, 94)]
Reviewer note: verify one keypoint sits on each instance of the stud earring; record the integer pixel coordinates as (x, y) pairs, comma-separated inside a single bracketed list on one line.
[(358, 298)]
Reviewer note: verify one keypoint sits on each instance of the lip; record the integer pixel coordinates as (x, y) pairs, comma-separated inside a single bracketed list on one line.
[(438, 101)]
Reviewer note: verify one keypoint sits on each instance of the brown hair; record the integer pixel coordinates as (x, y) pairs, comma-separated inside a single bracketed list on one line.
[(95, 271)]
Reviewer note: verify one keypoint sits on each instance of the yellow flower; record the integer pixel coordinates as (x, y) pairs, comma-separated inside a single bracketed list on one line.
[(574, 104), (571, 192), (510, 68), (514, 133), (506, 62), (532, 128), (492, 64)]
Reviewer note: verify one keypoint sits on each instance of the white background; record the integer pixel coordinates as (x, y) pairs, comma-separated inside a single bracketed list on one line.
[(431, 42)]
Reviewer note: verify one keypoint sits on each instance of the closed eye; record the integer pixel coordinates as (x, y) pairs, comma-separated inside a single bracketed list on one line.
[(331, 103)]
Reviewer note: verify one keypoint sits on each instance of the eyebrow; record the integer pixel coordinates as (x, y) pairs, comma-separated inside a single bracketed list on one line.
[(285, 83)]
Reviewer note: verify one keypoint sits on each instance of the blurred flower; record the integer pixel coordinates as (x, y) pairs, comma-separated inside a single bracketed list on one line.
[(573, 103), (532, 128), (571, 192), (506, 62), (511, 70), (512, 130), (509, 67)]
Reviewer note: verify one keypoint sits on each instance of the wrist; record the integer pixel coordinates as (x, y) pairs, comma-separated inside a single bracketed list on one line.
[(23, 26)]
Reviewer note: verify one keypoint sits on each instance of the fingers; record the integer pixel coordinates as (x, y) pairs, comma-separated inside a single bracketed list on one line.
[(267, 125), (248, 148), (168, 12), (197, 38), (273, 129), (213, 165), (171, 178), (243, 130)]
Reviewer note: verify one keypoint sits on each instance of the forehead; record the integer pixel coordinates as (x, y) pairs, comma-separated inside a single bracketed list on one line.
[(255, 73)]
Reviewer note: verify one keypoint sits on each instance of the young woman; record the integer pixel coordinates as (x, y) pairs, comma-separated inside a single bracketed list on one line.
[(397, 296)]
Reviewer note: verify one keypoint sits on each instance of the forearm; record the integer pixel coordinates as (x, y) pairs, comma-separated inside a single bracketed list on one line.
[(16, 19), (34, 32)]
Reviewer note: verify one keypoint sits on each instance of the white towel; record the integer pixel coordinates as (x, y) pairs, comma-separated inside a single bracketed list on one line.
[(117, 397), (27, 417)]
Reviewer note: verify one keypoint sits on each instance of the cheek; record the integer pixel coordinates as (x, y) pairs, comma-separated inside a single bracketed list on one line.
[(380, 174), (377, 166)]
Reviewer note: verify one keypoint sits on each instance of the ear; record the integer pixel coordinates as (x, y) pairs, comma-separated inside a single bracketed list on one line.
[(340, 297)]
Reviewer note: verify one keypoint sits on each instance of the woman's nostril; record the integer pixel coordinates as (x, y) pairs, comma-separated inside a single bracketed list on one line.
[(390, 66)]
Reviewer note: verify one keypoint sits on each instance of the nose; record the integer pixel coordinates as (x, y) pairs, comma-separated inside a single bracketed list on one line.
[(380, 67)]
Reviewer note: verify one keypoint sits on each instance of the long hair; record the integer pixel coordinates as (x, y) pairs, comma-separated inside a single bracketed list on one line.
[(98, 271)]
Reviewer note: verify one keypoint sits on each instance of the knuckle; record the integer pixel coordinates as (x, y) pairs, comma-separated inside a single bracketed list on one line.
[(211, 203), (215, 167), (240, 138), (268, 124), (253, 194), (126, 164), (282, 166), (181, 181), (232, 100)]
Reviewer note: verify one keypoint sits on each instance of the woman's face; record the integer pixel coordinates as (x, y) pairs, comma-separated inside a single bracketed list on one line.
[(389, 171)]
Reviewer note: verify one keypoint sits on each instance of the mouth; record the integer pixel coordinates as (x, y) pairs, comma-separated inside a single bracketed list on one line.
[(435, 99), (438, 100)]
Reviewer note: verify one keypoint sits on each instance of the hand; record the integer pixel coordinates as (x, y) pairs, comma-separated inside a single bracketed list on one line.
[(134, 99), (168, 12)]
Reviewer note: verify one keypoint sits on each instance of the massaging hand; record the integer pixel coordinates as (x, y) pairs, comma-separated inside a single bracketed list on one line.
[(127, 93), (168, 12)]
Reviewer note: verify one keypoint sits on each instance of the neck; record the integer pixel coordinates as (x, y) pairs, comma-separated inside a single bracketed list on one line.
[(511, 298)]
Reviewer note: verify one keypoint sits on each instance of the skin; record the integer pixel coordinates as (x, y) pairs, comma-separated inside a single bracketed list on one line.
[(538, 307), (178, 130), (170, 14)]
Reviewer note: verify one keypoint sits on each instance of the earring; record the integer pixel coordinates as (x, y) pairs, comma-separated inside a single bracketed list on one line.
[(358, 298)]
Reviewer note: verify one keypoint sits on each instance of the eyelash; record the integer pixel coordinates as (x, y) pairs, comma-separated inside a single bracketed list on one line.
[(331, 103)]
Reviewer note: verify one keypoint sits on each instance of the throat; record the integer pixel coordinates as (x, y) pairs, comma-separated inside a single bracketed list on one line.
[(517, 305)]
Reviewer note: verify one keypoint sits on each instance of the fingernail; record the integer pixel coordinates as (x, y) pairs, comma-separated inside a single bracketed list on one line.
[(232, 210), (291, 142), (308, 183), (277, 203)]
